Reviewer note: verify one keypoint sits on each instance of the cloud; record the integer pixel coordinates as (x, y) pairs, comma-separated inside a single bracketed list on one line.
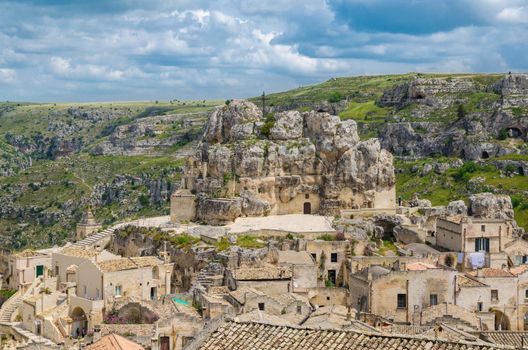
[(7, 75), (159, 49)]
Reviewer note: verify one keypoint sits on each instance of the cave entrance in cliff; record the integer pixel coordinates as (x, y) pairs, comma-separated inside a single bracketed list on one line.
[(514, 133), (485, 155), (520, 171), (307, 208)]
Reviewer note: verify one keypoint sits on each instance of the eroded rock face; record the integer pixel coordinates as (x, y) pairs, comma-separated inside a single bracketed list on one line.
[(456, 208), (491, 206), (297, 162)]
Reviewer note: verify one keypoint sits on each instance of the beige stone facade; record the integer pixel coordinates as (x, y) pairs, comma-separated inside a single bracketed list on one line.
[(25, 266)]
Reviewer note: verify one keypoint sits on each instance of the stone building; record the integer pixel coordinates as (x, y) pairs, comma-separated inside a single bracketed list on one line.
[(401, 295), (272, 279), (25, 266), (289, 163), (329, 257), (482, 240)]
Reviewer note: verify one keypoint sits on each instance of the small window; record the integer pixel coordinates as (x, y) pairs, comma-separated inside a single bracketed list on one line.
[(479, 306), (433, 299), (261, 306), (56, 270), (526, 293), (118, 291), (402, 301), (299, 309), (327, 298), (483, 228), (306, 196), (494, 294), (314, 256), (333, 257)]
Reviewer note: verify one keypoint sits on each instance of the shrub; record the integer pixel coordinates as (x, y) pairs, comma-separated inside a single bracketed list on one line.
[(335, 97), (463, 173), (503, 134), (329, 284), (269, 123), (326, 237), (227, 102), (461, 111)]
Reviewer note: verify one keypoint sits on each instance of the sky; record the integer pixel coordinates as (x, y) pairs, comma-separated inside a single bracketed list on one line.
[(117, 50)]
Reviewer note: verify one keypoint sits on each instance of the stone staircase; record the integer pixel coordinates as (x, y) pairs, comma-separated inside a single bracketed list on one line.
[(204, 279), (98, 237), (33, 338), (10, 306)]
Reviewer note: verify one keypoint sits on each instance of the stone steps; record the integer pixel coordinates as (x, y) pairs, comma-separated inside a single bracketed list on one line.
[(33, 338), (7, 312), (91, 240)]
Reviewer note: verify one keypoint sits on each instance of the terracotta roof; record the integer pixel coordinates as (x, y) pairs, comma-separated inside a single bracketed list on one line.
[(419, 266), (80, 252), (512, 338), (468, 282), (27, 253), (128, 263), (114, 342), (517, 270), (270, 272), (490, 272), (240, 335)]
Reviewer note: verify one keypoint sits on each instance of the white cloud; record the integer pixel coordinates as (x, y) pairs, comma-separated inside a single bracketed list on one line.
[(7, 75), (514, 15)]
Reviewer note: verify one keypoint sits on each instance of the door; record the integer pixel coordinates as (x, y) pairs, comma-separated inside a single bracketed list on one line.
[(164, 343), (307, 208), (332, 276), (40, 270), (153, 293)]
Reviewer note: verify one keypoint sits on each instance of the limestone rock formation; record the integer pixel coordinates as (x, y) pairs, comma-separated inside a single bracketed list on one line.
[(290, 162), (491, 206), (456, 208)]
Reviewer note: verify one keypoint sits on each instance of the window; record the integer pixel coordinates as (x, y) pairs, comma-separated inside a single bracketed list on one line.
[(314, 256), (299, 309), (118, 291), (56, 270), (483, 228), (402, 301), (479, 306), (39, 270), (307, 196), (494, 295), (526, 293), (261, 306), (482, 244), (333, 257), (433, 299)]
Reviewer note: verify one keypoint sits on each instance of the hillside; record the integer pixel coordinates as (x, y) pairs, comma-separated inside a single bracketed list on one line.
[(124, 159), (452, 135)]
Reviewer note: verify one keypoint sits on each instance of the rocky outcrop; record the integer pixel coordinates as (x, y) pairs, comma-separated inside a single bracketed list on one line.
[(456, 208), (491, 206), (290, 162), (455, 116)]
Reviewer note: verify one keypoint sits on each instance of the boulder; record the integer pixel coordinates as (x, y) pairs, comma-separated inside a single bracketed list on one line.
[(288, 126), (491, 206), (456, 208)]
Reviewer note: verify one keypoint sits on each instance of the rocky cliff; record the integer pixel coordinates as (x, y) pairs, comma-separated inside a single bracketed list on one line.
[(287, 162)]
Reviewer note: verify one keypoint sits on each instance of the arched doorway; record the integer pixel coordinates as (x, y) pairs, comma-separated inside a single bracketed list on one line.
[(307, 209), (502, 322), (79, 322)]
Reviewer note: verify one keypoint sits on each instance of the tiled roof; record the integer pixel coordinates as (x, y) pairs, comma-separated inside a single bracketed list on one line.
[(517, 270), (420, 266), (270, 272), (80, 252), (506, 337), (490, 272), (114, 342), (239, 335), (128, 263), (468, 282), (240, 294)]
